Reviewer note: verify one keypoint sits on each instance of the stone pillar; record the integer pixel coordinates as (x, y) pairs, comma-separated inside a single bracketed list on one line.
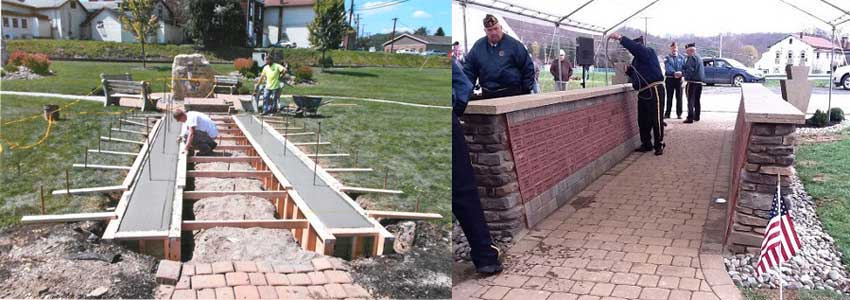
[(770, 151), (495, 171)]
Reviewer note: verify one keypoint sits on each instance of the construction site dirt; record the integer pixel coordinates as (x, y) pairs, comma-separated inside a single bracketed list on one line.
[(68, 261)]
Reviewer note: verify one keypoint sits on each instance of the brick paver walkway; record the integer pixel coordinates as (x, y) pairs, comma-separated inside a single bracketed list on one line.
[(324, 279), (635, 233)]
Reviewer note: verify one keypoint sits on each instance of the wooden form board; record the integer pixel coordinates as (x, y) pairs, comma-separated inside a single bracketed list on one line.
[(100, 216), (230, 174), (278, 224), (228, 159), (382, 214), (196, 195), (100, 189)]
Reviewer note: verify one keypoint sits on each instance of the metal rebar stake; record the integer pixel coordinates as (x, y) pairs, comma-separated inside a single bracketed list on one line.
[(86, 157), (261, 125), (147, 129), (109, 129), (386, 176), (285, 138), (316, 162)]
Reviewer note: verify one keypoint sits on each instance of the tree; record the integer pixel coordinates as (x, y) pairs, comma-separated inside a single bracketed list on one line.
[(137, 17), (328, 26), (215, 23), (751, 55), (440, 32), (421, 31)]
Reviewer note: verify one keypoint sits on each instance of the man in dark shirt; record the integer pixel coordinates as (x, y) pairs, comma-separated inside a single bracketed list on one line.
[(645, 75), (694, 76), (561, 70), (466, 202), (500, 63)]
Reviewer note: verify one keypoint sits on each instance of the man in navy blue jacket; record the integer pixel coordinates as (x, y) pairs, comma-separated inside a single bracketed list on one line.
[(645, 75), (466, 202), (500, 63), (673, 64)]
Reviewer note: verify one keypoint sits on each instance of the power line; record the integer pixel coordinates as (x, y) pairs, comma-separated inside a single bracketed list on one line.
[(382, 5)]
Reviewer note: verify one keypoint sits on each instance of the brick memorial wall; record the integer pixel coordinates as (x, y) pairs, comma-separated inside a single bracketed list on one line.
[(764, 147), (533, 153)]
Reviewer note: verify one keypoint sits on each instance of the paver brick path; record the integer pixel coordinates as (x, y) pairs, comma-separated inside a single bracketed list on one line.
[(635, 233), (325, 279)]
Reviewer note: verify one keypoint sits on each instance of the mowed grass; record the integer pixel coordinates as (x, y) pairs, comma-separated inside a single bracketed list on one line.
[(24, 171), (425, 86), (802, 294), (825, 172), (594, 79), (409, 146)]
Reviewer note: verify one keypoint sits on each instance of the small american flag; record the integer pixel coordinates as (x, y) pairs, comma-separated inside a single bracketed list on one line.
[(780, 238)]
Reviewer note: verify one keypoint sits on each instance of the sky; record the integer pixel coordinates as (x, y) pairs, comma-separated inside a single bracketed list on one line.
[(699, 17), (411, 14)]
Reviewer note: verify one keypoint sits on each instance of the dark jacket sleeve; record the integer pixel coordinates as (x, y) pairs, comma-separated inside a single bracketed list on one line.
[(668, 65), (470, 65), (553, 69), (526, 67), (634, 48), (461, 88), (569, 71)]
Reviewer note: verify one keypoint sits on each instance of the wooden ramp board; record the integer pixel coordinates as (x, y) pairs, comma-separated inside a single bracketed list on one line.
[(278, 224), (369, 190), (100, 216), (109, 139), (338, 170), (382, 214), (105, 167), (100, 189)]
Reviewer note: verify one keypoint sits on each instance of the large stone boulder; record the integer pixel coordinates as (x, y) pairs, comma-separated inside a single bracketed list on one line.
[(191, 76)]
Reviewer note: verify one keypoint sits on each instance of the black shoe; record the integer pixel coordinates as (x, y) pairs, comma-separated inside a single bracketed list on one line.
[(688, 121), (679, 117), (664, 124), (696, 119), (659, 151), (667, 116), (489, 270), (643, 149)]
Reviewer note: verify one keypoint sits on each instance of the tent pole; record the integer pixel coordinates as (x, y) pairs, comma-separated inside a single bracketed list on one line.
[(465, 45), (831, 73)]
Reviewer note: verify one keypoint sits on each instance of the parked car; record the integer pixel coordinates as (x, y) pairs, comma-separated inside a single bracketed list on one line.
[(729, 71), (406, 51), (284, 44), (435, 53), (841, 77)]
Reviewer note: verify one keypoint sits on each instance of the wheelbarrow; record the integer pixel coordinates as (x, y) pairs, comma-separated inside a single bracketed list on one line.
[(308, 105)]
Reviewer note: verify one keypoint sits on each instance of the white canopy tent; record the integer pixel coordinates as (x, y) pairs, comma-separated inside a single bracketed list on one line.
[(599, 18)]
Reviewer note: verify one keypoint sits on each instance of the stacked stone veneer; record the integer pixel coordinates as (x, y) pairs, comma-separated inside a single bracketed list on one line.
[(763, 148), (531, 161)]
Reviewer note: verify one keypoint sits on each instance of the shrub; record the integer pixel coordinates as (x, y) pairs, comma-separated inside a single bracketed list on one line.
[(255, 69), (10, 68), (326, 62), (818, 119), (17, 58), (836, 114), (303, 74), (38, 63), (245, 89), (243, 65)]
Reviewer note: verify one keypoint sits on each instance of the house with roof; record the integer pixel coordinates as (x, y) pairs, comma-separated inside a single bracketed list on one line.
[(418, 43), (103, 24), (803, 49), (287, 20), (51, 19)]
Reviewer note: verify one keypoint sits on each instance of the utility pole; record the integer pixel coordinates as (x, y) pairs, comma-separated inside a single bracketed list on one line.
[(357, 21), (721, 46), (348, 38), (646, 30), (392, 44)]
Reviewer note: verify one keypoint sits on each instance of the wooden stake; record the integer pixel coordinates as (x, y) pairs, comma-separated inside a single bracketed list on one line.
[(86, 155), (42, 199), (67, 182), (417, 205), (386, 176)]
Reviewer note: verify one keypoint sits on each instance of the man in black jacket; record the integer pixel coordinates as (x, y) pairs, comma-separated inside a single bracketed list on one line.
[(646, 77), (466, 202), (500, 63)]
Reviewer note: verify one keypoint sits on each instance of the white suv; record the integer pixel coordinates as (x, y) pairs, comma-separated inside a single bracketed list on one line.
[(841, 77)]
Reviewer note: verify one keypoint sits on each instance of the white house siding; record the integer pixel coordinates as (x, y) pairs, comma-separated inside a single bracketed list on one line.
[(295, 20), (66, 20), (270, 20), (110, 31), (800, 54), (20, 33)]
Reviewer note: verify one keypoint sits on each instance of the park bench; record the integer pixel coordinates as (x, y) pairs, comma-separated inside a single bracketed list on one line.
[(224, 81), (120, 86)]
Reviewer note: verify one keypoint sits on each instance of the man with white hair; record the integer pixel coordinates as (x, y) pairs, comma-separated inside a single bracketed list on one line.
[(561, 70), (499, 63)]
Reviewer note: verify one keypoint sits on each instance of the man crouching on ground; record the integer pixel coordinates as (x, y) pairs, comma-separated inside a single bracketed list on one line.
[(198, 131)]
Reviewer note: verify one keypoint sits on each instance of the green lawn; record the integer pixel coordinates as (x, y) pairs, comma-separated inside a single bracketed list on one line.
[(826, 176), (426, 86), (595, 79), (24, 171)]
